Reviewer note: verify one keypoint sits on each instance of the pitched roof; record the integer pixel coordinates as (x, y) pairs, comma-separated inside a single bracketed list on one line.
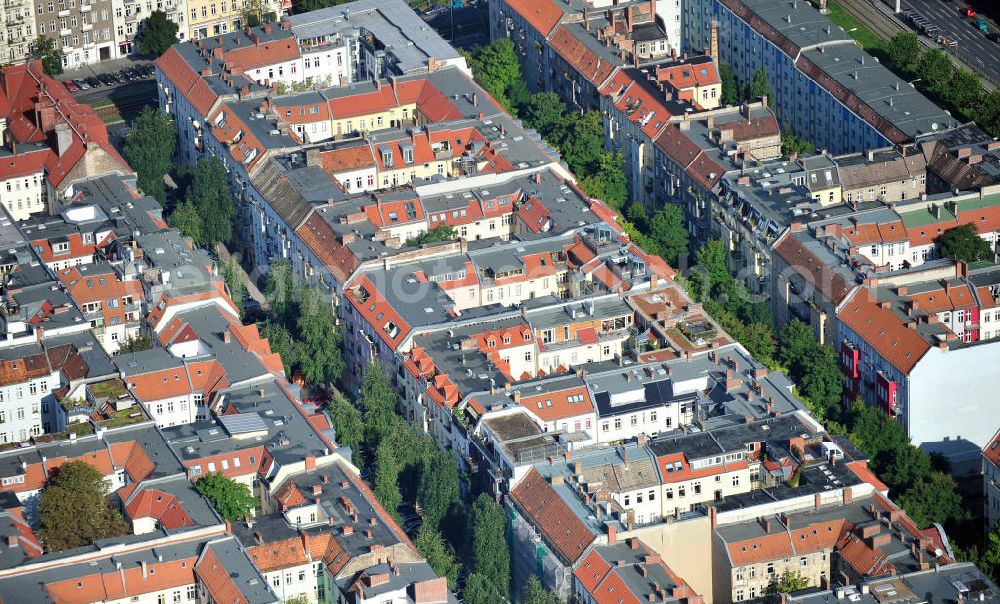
[(563, 531), (884, 332), (543, 15), (828, 281)]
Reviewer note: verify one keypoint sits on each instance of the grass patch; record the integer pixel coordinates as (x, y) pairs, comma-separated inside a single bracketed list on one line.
[(108, 388), (861, 34), (122, 418), (112, 118), (104, 103)]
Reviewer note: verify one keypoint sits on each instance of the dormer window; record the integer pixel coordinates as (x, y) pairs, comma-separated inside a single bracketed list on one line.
[(408, 155), (387, 157)]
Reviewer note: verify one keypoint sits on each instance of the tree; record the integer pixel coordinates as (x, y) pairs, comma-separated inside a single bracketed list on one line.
[(439, 233), (534, 592), (304, 6), (668, 233), (230, 498), (186, 219), (820, 379), (149, 147), (987, 114), (431, 544), (347, 425), (257, 12), (933, 499), (964, 89), (479, 590), (281, 343), (158, 33), (935, 68), (758, 338), (232, 275), (902, 467), (636, 214), (377, 402), (760, 86), (137, 344), (209, 192), (903, 50), (875, 433), (438, 488), (730, 90), (46, 50), (790, 143), (489, 552), (788, 582), (964, 243), (583, 148), (386, 485), (74, 509), (280, 292), (608, 183), (546, 113), (498, 69), (322, 360), (796, 341)]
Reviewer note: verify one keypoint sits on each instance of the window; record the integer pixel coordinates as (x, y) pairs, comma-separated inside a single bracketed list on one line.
[(618, 423), (682, 491), (191, 592), (652, 417), (697, 488), (736, 480), (668, 493)]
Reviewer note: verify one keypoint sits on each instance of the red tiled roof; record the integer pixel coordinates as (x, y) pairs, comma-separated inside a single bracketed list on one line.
[(163, 507), (324, 243), (553, 406), (216, 580), (563, 531), (826, 280), (377, 311), (269, 557), (543, 15), (884, 331), (582, 59)]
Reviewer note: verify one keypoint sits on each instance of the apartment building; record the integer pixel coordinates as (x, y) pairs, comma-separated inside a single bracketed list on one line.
[(84, 32), (826, 545), (212, 18), (17, 29), (827, 89), (897, 343), (112, 304), (130, 15), (991, 482)]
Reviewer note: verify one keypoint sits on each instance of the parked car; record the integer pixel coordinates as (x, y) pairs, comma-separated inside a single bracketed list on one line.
[(70, 85), (994, 37), (94, 82), (107, 79), (967, 12), (82, 85), (981, 24)]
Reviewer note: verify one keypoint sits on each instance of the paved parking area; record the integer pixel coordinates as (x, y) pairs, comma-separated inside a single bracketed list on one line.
[(973, 48)]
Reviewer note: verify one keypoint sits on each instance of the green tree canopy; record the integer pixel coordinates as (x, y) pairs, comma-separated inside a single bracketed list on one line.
[(47, 51), (230, 498), (149, 149), (347, 425), (232, 274), (257, 12), (433, 547), (498, 69), (281, 342), (186, 219), (377, 402), (534, 592), (935, 68), (386, 479), (209, 192), (322, 358), (730, 90), (668, 233), (820, 379), (480, 590), (439, 233), (987, 114), (933, 499), (490, 553), (965, 89), (158, 33), (761, 86), (788, 582), (74, 509), (964, 243), (608, 184), (903, 50), (438, 489), (583, 148), (281, 293), (139, 343), (796, 341)]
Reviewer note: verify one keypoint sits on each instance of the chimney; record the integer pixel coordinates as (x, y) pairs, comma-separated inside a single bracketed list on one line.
[(714, 41), (64, 138), (612, 532), (145, 570), (12, 541), (227, 337), (628, 18), (310, 462)]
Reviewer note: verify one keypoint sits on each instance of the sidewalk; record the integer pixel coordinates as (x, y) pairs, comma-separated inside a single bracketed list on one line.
[(109, 66), (251, 287)]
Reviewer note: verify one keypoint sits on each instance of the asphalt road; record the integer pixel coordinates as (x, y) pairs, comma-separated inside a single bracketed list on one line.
[(974, 49)]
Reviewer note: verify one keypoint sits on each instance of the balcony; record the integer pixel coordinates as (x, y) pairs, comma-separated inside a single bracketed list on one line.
[(64, 32), (87, 27), (86, 8), (63, 13)]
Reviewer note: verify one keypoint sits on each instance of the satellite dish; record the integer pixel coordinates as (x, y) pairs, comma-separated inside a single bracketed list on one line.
[(937, 552), (934, 126)]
